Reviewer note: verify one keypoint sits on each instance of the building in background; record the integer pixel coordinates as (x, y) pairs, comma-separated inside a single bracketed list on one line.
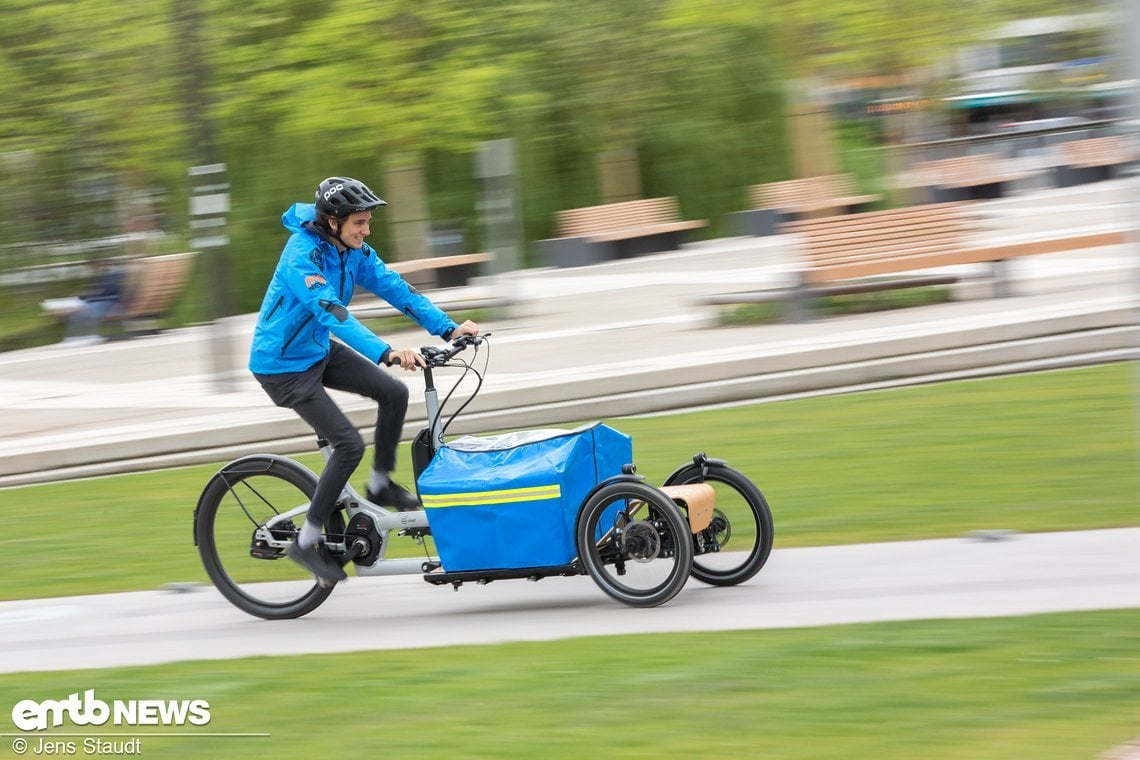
[(1042, 72)]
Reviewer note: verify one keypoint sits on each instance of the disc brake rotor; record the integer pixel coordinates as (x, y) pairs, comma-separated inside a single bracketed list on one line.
[(720, 528), (640, 541)]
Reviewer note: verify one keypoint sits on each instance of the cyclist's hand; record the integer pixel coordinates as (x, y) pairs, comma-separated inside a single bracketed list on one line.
[(408, 358), (467, 328)]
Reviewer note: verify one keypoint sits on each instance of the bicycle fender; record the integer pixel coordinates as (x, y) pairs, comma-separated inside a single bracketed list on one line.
[(623, 478), (243, 465), (700, 460)]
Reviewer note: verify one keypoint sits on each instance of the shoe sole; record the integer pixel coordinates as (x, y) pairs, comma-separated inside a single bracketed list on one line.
[(323, 579)]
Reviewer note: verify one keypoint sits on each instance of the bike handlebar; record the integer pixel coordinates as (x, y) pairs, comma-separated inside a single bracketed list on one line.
[(438, 356)]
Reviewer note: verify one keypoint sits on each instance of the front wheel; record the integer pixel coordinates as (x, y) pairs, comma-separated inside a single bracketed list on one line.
[(635, 543), (246, 517), (738, 541)]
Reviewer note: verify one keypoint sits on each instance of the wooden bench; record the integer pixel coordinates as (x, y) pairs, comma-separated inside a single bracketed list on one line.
[(811, 197), (774, 203), (913, 238), (616, 231), (151, 286), (1093, 159), (969, 177), (442, 271), (834, 252)]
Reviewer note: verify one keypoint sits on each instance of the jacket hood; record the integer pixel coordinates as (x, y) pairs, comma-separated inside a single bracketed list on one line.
[(295, 217)]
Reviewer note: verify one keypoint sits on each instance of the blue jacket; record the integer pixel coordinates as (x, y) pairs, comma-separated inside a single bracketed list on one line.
[(309, 295)]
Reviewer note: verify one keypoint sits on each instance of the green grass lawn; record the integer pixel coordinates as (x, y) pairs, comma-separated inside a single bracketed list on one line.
[(1038, 452), (1051, 686), (1035, 452)]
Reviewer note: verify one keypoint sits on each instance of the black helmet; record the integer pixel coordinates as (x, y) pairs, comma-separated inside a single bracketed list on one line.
[(340, 196)]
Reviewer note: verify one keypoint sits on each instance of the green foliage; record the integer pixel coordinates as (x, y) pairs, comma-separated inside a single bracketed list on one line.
[(106, 104), (852, 38)]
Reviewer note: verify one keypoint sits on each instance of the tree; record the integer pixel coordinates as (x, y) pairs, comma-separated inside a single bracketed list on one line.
[(86, 87), (90, 94)]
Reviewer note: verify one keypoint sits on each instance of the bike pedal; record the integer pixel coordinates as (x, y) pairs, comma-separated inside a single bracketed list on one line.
[(265, 553)]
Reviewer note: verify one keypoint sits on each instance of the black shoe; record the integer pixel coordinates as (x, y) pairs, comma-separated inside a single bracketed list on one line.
[(396, 496), (317, 560)]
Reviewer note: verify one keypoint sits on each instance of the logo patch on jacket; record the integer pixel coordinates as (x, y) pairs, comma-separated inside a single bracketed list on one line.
[(314, 281)]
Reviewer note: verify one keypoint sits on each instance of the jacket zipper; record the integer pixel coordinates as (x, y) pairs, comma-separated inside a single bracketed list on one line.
[(295, 333), (343, 277), (276, 306)]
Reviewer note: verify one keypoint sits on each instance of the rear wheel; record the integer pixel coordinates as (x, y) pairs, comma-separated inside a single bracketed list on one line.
[(242, 538), (635, 543), (737, 543)]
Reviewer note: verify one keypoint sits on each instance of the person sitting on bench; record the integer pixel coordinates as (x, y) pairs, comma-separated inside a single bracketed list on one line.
[(87, 310)]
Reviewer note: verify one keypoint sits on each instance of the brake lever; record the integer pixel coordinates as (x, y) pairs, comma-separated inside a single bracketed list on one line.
[(469, 340), (434, 355)]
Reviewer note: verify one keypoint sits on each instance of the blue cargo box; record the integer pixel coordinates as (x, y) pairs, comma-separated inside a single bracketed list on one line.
[(511, 501)]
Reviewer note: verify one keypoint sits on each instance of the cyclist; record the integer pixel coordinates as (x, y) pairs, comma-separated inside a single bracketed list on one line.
[(293, 359)]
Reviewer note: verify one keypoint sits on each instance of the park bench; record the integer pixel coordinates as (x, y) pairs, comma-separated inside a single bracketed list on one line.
[(835, 253), (153, 283), (616, 231), (1093, 159), (811, 197), (442, 271), (773, 203), (966, 178)]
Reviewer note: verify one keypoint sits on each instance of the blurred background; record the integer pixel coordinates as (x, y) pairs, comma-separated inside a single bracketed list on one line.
[(106, 106)]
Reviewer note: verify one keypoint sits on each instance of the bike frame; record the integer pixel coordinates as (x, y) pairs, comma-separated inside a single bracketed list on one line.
[(385, 520)]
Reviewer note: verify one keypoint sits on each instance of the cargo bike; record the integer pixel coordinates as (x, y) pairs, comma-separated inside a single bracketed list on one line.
[(525, 505)]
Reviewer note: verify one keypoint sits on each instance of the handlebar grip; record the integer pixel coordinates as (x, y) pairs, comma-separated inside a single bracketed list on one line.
[(394, 360)]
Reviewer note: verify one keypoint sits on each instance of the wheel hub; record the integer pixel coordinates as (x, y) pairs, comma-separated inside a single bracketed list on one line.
[(640, 541)]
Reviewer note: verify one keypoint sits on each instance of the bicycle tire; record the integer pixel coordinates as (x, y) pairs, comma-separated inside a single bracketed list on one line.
[(276, 589), (602, 537), (747, 515)]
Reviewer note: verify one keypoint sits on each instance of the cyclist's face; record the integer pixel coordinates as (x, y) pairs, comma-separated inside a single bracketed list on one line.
[(355, 227)]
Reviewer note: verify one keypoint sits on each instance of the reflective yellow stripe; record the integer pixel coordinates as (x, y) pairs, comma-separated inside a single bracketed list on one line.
[(505, 496)]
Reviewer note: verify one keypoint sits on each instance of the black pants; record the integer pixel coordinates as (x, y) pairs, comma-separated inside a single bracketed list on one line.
[(305, 393)]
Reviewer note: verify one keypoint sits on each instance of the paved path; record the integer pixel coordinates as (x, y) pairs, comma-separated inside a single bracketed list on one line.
[(910, 580)]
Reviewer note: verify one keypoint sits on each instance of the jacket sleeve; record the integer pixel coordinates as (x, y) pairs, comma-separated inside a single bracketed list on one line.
[(305, 279), (375, 275)]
